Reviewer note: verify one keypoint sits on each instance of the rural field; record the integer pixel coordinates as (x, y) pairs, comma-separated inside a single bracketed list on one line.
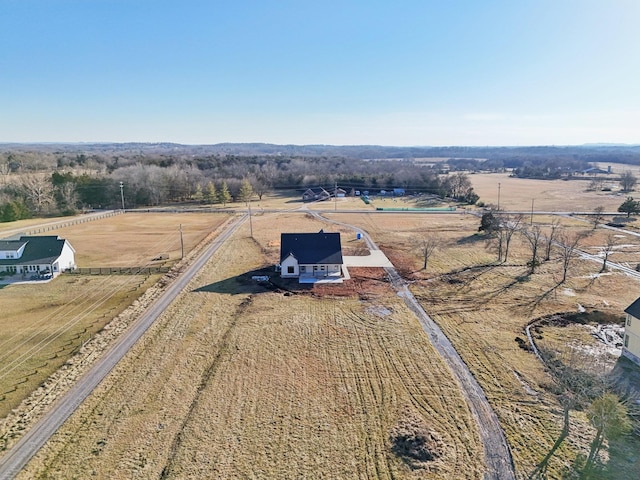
[(237, 380), (240, 381), (516, 194), (483, 307), (43, 324)]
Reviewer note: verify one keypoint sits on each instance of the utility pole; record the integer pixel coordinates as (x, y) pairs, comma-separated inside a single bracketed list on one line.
[(498, 196), (532, 210), (250, 222), (335, 198), (122, 194), (181, 244)]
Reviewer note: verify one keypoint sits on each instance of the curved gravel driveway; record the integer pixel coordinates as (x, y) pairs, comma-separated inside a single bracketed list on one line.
[(498, 459)]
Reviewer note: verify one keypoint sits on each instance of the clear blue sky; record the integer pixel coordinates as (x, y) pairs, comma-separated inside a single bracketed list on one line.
[(403, 72)]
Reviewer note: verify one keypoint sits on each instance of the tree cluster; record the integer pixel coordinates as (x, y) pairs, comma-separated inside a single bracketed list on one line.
[(65, 182)]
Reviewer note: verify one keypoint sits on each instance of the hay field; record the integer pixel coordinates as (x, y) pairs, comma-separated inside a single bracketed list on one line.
[(134, 239), (43, 324), (237, 381), (548, 195), (483, 309)]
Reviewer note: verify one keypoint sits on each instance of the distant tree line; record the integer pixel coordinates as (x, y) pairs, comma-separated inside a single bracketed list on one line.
[(35, 183)]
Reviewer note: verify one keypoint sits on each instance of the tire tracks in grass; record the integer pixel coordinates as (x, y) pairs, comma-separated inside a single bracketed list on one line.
[(498, 459), (208, 374)]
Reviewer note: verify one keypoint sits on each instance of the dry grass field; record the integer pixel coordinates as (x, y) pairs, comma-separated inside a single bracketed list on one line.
[(43, 324), (547, 195), (483, 309), (238, 381)]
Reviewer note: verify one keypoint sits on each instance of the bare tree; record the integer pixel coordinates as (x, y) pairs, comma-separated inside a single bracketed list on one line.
[(598, 216), (596, 184), (508, 225), (610, 244), (5, 170), (568, 245), (533, 234), (428, 246), (551, 238), (38, 190), (627, 181)]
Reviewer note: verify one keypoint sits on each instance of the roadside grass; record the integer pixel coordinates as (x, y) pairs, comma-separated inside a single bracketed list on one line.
[(43, 324), (238, 381)]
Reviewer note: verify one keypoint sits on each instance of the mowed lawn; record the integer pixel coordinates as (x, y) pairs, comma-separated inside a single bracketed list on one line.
[(237, 381), (43, 324)]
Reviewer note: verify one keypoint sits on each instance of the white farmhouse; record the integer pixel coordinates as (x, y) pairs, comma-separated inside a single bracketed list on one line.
[(31, 255), (311, 257)]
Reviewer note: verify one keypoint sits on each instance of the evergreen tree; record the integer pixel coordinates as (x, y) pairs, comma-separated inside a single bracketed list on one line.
[(629, 206), (198, 196), (224, 196), (210, 193), (246, 191)]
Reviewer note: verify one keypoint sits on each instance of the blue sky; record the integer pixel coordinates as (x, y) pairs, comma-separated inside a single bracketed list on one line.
[(404, 72)]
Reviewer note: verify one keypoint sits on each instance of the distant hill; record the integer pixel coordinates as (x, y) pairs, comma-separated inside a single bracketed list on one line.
[(590, 153)]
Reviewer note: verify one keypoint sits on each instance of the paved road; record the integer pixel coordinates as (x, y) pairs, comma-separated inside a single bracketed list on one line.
[(498, 460), (16, 458)]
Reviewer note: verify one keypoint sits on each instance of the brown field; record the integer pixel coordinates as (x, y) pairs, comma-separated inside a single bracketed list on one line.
[(43, 324), (547, 195), (235, 381), (482, 311)]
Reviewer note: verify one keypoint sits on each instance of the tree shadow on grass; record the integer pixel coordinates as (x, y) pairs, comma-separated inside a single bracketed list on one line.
[(475, 238), (245, 284)]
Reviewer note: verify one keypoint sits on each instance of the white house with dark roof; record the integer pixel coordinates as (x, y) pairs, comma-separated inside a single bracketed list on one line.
[(37, 254), (631, 348), (315, 194), (311, 257)]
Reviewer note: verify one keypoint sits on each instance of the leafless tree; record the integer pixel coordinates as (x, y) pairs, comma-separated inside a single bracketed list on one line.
[(534, 236), (5, 170), (610, 244), (508, 225), (576, 385), (550, 238), (568, 246), (38, 190), (427, 246), (598, 216)]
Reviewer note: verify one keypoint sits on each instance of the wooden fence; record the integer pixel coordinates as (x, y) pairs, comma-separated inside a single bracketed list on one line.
[(118, 270)]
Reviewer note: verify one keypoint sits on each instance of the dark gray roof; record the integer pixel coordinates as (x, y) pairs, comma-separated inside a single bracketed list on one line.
[(39, 250), (634, 309), (312, 248)]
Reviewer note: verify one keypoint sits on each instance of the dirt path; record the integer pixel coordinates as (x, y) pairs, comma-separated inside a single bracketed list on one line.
[(499, 462)]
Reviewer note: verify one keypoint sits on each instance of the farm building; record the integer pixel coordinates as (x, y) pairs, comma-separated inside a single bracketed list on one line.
[(33, 255), (311, 257), (631, 348), (315, 194)]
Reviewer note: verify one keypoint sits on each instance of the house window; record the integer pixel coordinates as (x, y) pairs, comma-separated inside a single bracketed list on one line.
[(303, 268), (626, 341), (628, 320), (290, 269)]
